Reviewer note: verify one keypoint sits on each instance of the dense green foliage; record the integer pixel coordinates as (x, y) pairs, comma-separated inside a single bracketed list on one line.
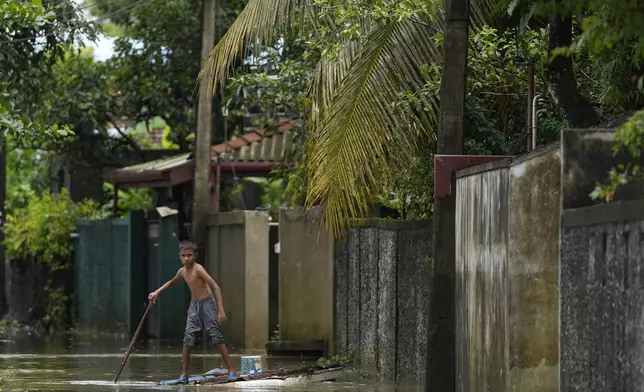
[(41, 231), (43, 228), (629, 137), (135, 199), (27, 176), (362, 78), (156, 62), (369, 132), (33, 36), (79, 95)]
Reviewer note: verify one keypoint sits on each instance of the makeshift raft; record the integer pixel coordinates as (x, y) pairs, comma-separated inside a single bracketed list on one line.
[(272, 378)]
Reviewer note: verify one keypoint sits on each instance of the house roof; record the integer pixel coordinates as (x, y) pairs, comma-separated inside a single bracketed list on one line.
[(256, 152), (260, 145)]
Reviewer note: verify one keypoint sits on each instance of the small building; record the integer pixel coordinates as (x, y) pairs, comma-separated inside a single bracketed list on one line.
[(254, 154)]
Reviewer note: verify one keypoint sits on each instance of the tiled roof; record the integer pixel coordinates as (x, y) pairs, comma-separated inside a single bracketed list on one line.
[(257, 146)]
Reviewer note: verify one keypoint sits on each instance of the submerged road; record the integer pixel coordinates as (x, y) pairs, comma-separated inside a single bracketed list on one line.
[(89, 363)]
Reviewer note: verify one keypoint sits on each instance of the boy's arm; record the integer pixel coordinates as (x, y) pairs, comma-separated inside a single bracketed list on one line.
[(215, 287), (153, 295)]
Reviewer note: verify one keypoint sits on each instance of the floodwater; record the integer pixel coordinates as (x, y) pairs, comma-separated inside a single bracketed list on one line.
[(72, 363)]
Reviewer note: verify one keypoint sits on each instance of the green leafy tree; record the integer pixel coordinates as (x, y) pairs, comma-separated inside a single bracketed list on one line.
[(372, 102), (42, 231), (27, 177), (78, 94), (33, 35), (370, 53), (594, 55), (156, 61), (270, 87), (603, 40), (128, 199)]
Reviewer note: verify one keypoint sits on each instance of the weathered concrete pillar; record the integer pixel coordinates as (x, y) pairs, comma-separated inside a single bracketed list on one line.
[(237, 259), (533, 272), (305, 278)]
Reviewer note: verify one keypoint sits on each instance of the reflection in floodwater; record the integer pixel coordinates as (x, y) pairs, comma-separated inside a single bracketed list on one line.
[(63, 363)]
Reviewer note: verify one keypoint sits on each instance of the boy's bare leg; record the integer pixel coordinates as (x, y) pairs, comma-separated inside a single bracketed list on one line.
[(186, 360), (223, 350)]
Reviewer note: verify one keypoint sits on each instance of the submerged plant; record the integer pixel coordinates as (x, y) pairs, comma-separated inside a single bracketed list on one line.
[(7, 375), (347, 358)]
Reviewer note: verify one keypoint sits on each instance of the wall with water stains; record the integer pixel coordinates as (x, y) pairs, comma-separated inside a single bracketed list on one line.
[(481, 278), (602, 294), (507, 247), (382, 277), (305, 277), (533, 271), (602, 270)]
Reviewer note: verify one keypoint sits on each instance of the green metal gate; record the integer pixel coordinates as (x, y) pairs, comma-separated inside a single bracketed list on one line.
[(110, 267), (169, 313)]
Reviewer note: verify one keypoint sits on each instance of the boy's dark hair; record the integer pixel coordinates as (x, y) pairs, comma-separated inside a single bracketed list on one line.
[(188, 245)]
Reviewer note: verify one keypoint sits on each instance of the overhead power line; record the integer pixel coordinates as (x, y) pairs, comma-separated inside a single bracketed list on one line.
[(84, 24)]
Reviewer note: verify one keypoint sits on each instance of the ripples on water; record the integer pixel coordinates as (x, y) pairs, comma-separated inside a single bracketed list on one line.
[(56, 363)]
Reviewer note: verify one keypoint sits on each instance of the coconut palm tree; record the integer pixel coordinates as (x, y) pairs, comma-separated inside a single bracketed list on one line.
[(357, 138)]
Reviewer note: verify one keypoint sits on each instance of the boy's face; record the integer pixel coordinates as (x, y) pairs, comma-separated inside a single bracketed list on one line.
[(187, 257)]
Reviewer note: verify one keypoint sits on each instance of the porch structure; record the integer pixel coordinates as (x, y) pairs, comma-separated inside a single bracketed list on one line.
[(254, 154)]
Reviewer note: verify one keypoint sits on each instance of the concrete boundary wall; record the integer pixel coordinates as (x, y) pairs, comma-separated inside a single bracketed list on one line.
[(602, 269), (507, 265), (305, 277), (237, 258), (481, 279), (382, 286), (602, 291)]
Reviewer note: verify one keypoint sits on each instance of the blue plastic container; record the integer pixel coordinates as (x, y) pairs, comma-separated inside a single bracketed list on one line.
[(251, 365)]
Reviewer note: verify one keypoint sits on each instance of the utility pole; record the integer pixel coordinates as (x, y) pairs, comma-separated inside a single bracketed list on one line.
[(3, 194), (203, 141), (441, 344)]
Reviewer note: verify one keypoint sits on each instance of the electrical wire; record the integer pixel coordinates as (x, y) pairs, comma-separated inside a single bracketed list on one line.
[(84, 24)]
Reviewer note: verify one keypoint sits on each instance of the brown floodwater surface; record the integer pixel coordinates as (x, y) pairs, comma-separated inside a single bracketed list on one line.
[(89, 363)]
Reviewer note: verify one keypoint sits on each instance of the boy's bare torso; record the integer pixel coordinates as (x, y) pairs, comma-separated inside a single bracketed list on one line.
[(199, 288)]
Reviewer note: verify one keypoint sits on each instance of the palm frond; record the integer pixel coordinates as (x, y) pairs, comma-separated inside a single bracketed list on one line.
[(358, 139), (484, 12), (327, 77), (259, 23), (363, 140)]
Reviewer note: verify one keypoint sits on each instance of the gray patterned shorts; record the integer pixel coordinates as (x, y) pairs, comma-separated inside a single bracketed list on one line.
[(202, 320)]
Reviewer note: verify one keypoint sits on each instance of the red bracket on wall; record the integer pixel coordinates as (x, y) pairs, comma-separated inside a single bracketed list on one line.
[(445, 165)]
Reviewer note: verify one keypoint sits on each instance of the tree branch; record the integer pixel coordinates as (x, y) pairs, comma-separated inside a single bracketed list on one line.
[(577, 110), (128, 140)]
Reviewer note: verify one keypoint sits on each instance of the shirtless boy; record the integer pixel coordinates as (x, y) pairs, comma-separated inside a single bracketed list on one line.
[(204, 314)]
